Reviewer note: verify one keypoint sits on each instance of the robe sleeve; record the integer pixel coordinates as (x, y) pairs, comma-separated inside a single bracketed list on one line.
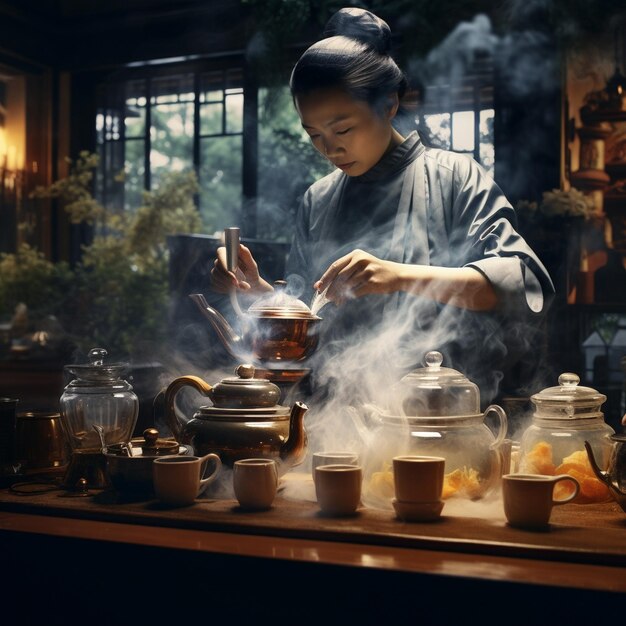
[(483, 236)]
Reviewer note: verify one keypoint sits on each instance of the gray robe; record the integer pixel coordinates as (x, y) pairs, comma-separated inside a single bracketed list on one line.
[(434, 207)]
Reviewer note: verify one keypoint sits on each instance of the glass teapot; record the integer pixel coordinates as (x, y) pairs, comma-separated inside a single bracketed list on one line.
[(435, 411), (565, 417)]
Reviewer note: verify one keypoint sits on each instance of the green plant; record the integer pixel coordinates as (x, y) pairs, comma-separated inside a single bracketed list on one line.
[(117, 296), (557, 203)]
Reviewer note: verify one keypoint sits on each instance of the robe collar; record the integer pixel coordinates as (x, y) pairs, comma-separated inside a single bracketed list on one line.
[(395, 161)]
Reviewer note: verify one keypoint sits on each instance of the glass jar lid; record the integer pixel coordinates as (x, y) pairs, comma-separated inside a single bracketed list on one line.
[(97, 371), (435, 391), (281, 304), (569, 400)]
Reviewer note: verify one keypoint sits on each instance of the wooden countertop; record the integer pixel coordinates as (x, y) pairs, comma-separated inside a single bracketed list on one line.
[(579, 534), (470, 551)]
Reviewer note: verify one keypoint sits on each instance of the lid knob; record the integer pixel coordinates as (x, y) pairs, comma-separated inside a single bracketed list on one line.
[(433, 359), (568, 379), (245, 371), (151, 435), (96, 356)]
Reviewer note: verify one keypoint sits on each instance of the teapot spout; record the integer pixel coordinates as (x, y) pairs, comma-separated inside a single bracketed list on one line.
[(229, 338), (601, 475), (292, 450), (619, 495)]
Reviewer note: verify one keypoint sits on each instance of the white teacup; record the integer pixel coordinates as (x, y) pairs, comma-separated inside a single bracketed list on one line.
[(418, 479), (179, 480), (333, 458), (255, 482), (338, 488), (528, 498)]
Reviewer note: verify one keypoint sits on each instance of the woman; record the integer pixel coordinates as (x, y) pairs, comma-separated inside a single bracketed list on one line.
[(399, 233)]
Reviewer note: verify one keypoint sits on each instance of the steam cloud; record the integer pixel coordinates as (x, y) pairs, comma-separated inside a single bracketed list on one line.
[(352, 375)]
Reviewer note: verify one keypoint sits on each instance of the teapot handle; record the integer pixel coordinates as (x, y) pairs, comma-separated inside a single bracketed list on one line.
[(171, 418), (503, 424)]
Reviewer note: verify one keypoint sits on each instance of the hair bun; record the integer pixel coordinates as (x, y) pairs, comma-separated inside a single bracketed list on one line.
[(361, 25)]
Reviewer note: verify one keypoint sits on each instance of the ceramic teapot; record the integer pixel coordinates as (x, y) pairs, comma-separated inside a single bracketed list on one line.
[(615, 475), (276, 328), (244, 420)]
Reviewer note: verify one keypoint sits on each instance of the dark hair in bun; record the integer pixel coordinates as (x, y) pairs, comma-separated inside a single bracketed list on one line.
[(354, 55), (361, 25)]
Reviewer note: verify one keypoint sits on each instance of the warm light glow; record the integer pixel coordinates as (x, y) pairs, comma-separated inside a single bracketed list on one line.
[(3, 143), (12, 158)]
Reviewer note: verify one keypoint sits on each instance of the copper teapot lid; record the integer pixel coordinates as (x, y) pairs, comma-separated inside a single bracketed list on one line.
[(150, 445), (244, 391), (280, 304)]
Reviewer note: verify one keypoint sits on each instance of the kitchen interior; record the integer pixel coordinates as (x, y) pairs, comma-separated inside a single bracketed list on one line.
[(138, 136)]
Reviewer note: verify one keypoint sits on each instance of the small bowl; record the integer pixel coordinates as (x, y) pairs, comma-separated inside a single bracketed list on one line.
[(418, 511), (133, 474)]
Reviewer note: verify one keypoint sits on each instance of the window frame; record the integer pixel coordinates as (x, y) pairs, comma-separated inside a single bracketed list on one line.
[(114, 84)]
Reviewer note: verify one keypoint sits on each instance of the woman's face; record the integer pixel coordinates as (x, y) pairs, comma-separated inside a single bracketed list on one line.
[(348, 132)]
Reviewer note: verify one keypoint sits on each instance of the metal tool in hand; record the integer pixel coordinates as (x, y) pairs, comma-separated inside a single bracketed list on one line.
[(231, 241), (319, 300)]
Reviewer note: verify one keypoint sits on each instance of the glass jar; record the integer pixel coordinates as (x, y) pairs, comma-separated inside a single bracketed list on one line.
[(98, 395), (565, 417), (435, 411)]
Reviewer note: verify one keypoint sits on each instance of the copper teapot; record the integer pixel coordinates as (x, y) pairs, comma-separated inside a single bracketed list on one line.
[(243, 421), (276, 328)]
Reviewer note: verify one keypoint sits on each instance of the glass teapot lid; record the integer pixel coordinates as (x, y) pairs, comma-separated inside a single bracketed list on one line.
[(569, 400), (281, 304), (436, 391), (97, 371)]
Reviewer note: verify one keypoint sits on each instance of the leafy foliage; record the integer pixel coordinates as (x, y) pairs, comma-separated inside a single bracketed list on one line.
[(117, 296)]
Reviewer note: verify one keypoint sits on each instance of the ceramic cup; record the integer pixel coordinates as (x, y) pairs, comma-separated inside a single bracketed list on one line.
[(418, 478), (333, 458), (255, 482), (338, 488), (528, 498), (179, 480)]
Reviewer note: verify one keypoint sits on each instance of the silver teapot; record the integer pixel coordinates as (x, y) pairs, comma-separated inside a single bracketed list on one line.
[(615, 475)]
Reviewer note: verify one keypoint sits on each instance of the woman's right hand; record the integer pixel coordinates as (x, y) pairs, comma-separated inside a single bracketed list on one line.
[(245, 277)]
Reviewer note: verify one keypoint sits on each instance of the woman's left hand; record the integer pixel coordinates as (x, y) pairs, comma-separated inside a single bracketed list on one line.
[(357, 274)]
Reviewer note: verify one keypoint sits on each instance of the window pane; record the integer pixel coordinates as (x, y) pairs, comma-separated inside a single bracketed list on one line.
[(220, 182), (211, 119), (438, 127), (463, 131), (134, 121), (134, 173), (487, 152), (234, 113), (172, 139), (211, 87)]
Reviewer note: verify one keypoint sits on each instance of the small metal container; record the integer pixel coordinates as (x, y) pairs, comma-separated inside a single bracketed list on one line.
[(40, 442)]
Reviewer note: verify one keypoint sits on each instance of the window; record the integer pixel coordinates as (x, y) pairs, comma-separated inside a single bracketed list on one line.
[(146, 127), (460, 117)]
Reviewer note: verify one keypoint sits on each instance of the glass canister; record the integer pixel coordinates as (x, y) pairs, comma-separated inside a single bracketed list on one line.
[(435, 411), (565, 417), (97, 396)]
